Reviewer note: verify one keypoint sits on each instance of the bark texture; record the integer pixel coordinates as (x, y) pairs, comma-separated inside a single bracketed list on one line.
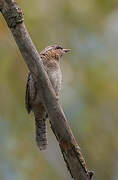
[(68, 145)]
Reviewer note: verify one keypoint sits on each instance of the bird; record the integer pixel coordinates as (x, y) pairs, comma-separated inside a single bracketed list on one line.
[(50, 57)]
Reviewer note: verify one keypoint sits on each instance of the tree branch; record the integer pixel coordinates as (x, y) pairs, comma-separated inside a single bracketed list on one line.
[(68, 145)]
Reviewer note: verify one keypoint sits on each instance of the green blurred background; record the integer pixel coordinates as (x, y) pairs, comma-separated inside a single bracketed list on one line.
[(89, 93)]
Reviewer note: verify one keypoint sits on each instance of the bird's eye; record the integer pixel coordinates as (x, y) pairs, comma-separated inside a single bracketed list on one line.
[(58, 47)]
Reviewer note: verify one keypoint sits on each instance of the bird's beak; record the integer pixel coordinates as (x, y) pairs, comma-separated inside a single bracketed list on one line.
[(66, 50)]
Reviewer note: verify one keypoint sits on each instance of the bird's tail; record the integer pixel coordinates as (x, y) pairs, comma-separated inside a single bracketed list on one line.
[(41, 129)]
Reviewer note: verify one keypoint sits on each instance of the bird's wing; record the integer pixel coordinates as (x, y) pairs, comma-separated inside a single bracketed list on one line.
[(27, 94)]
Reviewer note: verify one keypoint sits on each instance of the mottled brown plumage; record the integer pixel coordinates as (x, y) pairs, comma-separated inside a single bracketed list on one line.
[(50, 57)]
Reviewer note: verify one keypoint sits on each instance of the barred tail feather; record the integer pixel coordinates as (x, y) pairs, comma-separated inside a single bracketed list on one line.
[(41, 131)]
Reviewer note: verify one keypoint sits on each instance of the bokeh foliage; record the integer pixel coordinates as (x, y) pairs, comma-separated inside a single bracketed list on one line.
[(89, 93)]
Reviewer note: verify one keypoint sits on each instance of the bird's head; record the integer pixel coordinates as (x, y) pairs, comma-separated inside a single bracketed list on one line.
[(54, 52)]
